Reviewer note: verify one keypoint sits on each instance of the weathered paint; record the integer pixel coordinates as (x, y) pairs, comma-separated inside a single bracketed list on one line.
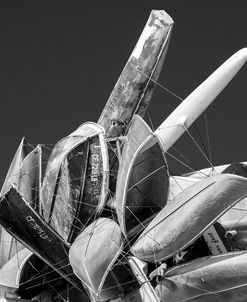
[(134, 88), (69, 168), (28, 227)]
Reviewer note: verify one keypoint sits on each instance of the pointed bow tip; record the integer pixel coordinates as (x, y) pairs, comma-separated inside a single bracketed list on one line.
[(163, 15), (242, 51), (239, 56)]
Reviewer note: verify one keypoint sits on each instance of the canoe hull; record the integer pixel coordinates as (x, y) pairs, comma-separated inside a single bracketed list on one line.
[(200, 206), (23, 222), (103, 235), (142, 184), (217, 278), (133, 90)]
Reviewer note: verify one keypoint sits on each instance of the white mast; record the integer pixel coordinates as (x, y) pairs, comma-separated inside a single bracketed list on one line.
[(190, 109)]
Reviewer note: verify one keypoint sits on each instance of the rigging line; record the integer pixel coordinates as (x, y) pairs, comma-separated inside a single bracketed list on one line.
[(45, 145), (76, 218), (52, 271), (17, 173), (31, 145), (57, 278), (143, 227), (151, 122), (31, 189), (94, 223), (48, 281), (89, 219), (200, 138), (178, 160), (158, 84), (75, 201), (177, 182), (208, 137), (147, 176), (61, 297), (199, 147), (142, 206), (239, 209), (17, 254), (67, 292), (122, 212), (33, 166), (43, 154), (119, 262), (185, 158), (37, 277), (87, 223)]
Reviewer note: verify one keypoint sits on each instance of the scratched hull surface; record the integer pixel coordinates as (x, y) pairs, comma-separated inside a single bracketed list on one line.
[(76, 182), (217, 278), (23, 222), (61, 149), (142, 179), (200, 206), (134, 88)]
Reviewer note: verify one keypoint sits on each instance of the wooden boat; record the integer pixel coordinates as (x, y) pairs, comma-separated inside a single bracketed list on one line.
[(75, 185), (217, 278), (142, 185), (200, 206), (133, 90), (28, 227)]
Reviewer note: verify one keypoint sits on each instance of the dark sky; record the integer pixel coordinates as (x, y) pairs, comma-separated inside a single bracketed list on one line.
[(59, 61)]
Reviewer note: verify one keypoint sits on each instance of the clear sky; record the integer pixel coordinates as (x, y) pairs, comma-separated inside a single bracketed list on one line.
[(59, 61)]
